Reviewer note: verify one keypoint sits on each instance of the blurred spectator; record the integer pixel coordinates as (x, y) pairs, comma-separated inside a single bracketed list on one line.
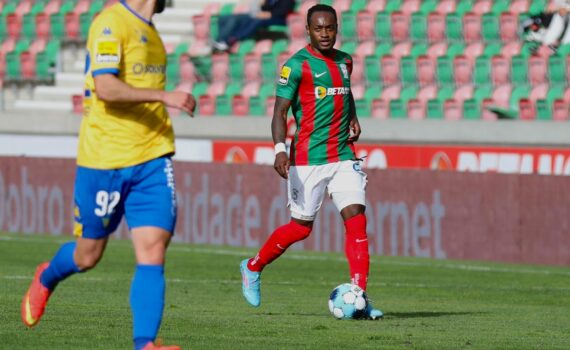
[(549, 30), (263, 13)]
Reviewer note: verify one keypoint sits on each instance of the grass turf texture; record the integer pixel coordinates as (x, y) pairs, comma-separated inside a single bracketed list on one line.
[(428, 304)]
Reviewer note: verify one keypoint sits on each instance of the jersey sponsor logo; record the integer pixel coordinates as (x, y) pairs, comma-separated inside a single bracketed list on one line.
[(284, 76), (107, 51), (318, 75), (321, 92), (139, 68)]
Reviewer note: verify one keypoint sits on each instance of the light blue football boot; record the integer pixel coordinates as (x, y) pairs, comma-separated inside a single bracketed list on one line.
[(371, 313), (250, 284)]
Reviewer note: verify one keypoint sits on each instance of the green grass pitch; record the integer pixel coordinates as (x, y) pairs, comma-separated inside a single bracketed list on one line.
[(428, 304)]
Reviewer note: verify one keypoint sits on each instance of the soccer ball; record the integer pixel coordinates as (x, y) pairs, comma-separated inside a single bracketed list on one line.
[(347, 301)]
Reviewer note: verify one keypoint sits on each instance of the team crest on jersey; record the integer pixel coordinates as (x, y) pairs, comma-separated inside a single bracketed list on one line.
[(107, 51), (344, 70), (284, 76)]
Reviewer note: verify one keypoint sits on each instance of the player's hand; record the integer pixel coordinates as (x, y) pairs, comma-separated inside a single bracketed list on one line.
[(180, 100), (354, 130), (281, 164)]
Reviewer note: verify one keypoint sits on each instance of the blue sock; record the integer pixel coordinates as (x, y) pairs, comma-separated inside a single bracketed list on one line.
[(60, 267), (147, 303)]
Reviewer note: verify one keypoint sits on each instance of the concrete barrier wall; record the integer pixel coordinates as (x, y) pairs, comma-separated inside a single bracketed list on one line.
[(436, 214)]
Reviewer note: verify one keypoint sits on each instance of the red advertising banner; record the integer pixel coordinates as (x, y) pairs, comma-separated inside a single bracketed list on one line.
[(510, 218), (506, 160)]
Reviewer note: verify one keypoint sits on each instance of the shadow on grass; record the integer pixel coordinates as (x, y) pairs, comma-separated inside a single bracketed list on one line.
[(422, 314)]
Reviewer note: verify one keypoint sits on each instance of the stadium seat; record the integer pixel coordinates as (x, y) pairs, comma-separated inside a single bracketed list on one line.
[(482, 70), (526, 110), (402, 49), (508, 27), (13, 68), (398, 109), (486, 113), (434, 109), (437, 49), (77, 104), (341, 5), (358, 90), (296, 26), (557, 69), (444, 70), (220, 67), (474, 50), (410, 6), (519, 69), (408, 70), (382, 27), (471, 109), (471, 27), (446, 6), (511, 49), (380, 109), (390, 70), (400, 26), (391, 92), (464, 92), (427, 92), (187, 69), (252, 68), (269, 105), (206, 105), (375, 6), (537, 70), (482, 6), (240, 105), (462, 70), (27, 65), (490, 27), (435, 27), (560, 110), (426, 68), (416, 109), (201, 25), (365, 26), (357, 76), (452, 110), (418, 27), (72, 27), (13, 25), (500, 68)]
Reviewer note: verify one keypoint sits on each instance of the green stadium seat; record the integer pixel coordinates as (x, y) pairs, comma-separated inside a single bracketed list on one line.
[(464, 6), (408, 93), (544, 106), (557, 69), (45, 68), (349, 47), (537, 6), (428, 6), (372, 68), (500, 7), (408, 70), (173, 68), (519, 92), (419, 49), (257, 103), (471, 109), (434, 109), (482, 70), (490, 26), (392, 5), (96, 6), (418, 26), (383, 25), (223, 105), (445, 92), (492, 49), (29, 25), (454, 27), (519, 69), (13, 68), (348, 25), (200, 88), (358, 5), (227, 9), (57, 22), (398, 109), (455, 49), (445, 70)]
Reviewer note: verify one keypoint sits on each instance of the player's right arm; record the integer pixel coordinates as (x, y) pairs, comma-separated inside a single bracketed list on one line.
[(109, 88)]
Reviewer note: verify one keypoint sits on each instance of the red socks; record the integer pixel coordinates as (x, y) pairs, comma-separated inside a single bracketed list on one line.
[(277, 243), (356, 249)]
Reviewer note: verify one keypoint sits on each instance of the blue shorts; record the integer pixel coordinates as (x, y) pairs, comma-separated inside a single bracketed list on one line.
[(145, 194)]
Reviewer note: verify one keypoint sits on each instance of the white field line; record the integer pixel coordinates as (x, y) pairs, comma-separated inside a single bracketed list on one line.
[(439, 264)]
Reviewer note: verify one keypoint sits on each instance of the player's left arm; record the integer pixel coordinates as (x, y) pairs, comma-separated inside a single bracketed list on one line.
[(354, 124), (279, 132)]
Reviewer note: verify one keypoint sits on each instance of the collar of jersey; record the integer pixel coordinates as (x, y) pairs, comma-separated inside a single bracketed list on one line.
[(124, 3), (318, 55)]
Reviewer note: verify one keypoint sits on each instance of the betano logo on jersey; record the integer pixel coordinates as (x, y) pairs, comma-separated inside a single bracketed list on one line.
[(321, 91)]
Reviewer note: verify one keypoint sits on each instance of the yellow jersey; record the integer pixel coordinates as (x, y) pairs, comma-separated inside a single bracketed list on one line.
[(121, 134)]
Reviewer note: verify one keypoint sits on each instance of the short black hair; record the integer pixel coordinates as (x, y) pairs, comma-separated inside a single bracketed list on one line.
[(320, 8)]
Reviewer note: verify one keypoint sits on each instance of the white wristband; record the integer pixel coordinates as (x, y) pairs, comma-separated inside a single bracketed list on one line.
[(280, 147)]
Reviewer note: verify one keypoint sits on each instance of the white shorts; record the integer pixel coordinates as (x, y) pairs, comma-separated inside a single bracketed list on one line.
[(345, 182)]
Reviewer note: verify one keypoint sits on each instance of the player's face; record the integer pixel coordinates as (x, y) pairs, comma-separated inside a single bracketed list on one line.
[(322, 30), (159, 6)]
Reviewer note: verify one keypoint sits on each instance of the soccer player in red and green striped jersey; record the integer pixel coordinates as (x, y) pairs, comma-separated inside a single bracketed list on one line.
[(315, 83)]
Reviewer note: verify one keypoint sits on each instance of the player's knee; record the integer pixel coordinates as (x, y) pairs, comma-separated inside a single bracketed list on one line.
[(301, 231), (86, 261)]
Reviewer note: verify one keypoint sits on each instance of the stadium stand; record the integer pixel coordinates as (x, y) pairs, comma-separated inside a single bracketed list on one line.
[(448, 59)]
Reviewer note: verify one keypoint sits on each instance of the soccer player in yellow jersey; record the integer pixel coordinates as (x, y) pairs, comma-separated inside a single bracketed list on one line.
[(124, 164)]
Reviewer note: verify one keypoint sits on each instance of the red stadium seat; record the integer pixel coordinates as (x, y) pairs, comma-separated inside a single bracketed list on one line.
[(446, 6), (452, 109), (462, 70), (560, 110), (2, 67), (220, 67), (212, 8), (187, 69), (201, 27), (366, 48), (269, 105), (511, 49), (509, 24), (358, 90), (357, 75), (77, 104), (185, 86), (400, 26), (537, 70), (391, 92), (464, 92), (500, 70), (425, 67), (471, 27), (43, 25), (296, 23), (486, 114), (568, 68), (435, 27), (538, 92), (296, 45), (416, 109), (380, 109), (410, 6), (52, 7), (24, 7), (82, 6), (375, 6), (482, 6), (37, 45), (341, 5), (72, 26), (390, 70), (242, 7), (263, 47), (13, 25), (437, 49), (27, 65), (240, 105), (526, 109), (519, 6), (502, 96), (474, 50), (402, 49), (8, 45), (251, 88), (199, 48), (365, 23), (207, 105), (216, 88), (427, 93), (252, 67)]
